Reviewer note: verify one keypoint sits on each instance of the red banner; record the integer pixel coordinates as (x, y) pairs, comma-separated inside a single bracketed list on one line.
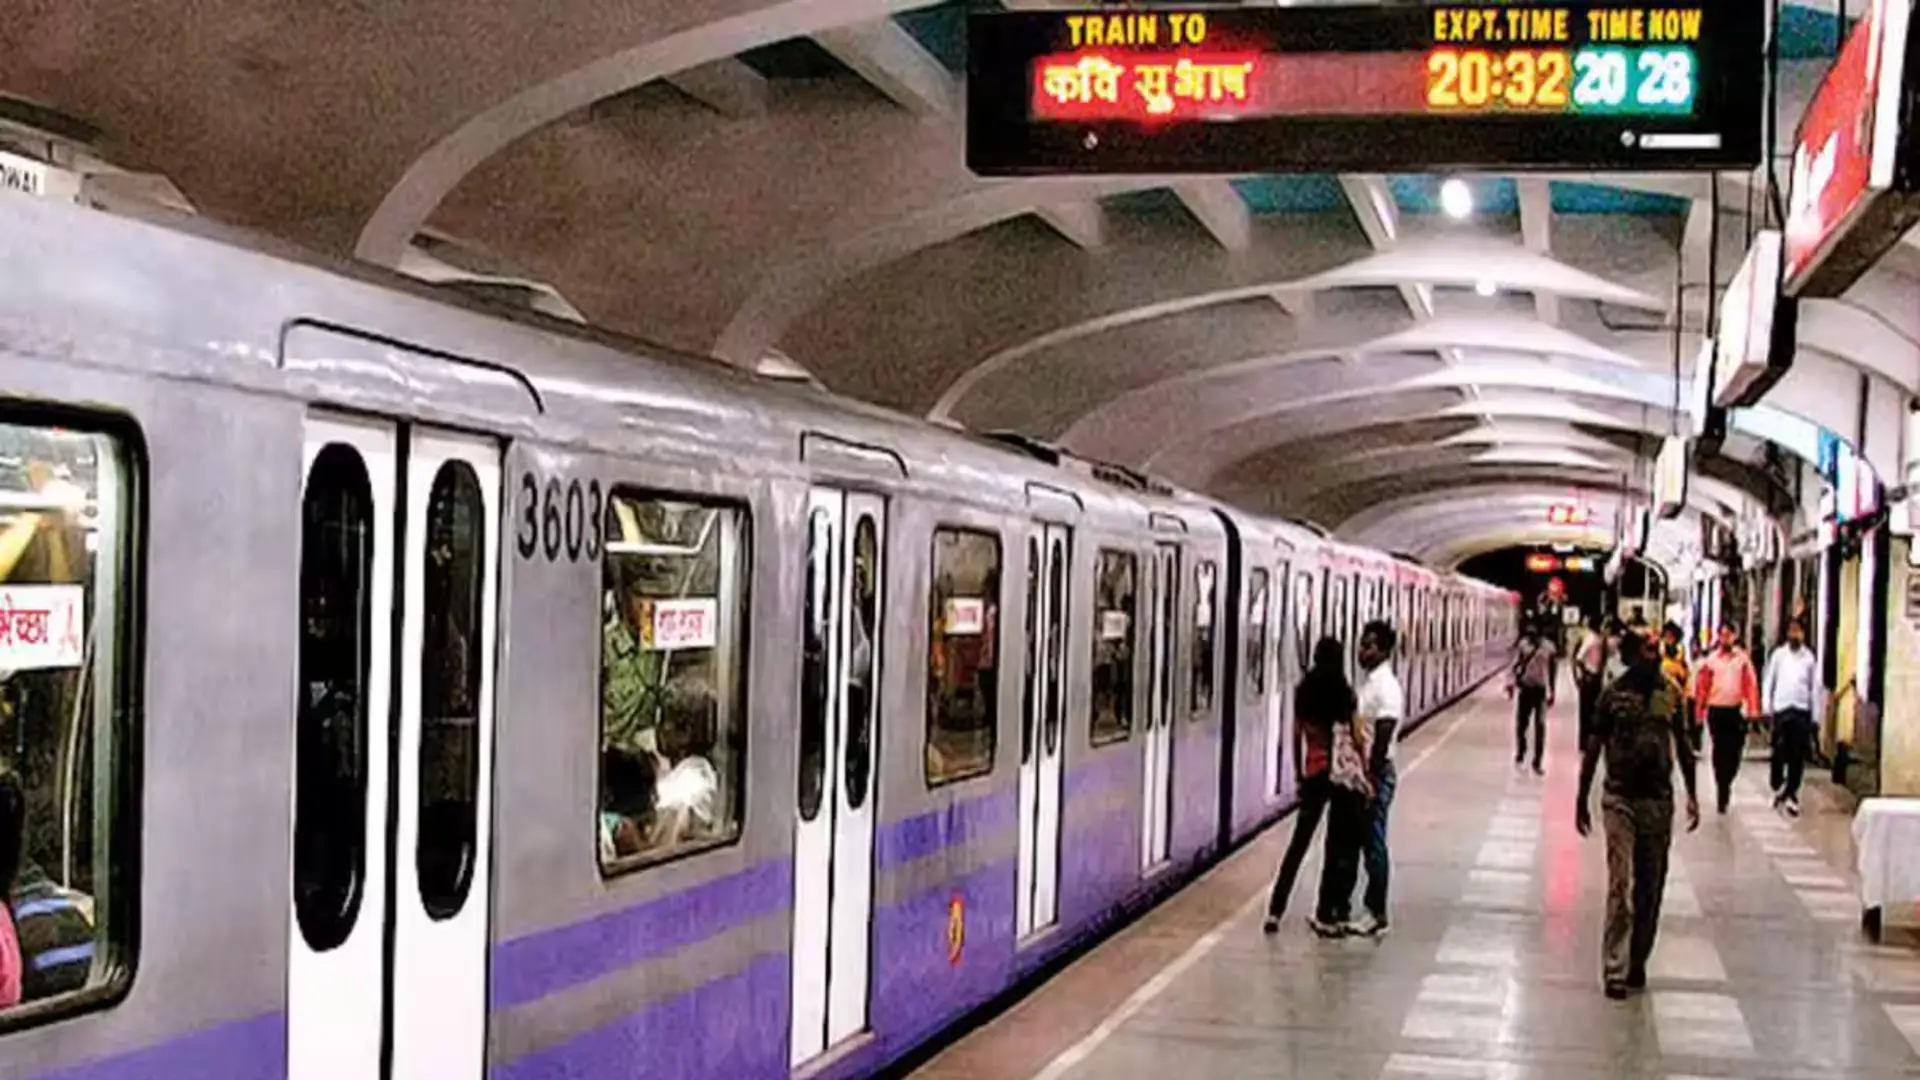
[(1839, 136)]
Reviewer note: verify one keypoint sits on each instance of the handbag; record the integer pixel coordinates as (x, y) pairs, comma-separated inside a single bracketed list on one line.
[(1349, 771)]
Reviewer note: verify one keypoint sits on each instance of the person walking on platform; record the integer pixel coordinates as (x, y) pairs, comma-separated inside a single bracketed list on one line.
[(1725, 693), (1615, 666), (1792, 688), (1382, 706), (1673, 663), (1331, 778), (1638, 730), (1589, 669), (1532, 675)]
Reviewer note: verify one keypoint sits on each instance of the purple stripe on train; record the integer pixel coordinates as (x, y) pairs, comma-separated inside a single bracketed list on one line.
[(742, 1018), (251, 1049), (531, 967), (958, 823), (738, 1026), (734, 1027)]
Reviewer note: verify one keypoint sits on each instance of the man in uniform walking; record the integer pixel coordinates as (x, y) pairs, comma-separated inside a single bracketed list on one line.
[(1638, 729)]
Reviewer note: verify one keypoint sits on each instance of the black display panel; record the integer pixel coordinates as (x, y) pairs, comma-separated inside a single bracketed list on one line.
[(1567, 86)]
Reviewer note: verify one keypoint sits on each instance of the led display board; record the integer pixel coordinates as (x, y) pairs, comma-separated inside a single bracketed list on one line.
[(1365, 88)]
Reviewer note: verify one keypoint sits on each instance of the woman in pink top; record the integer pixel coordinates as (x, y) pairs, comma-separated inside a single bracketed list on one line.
[(13, 827), (1726, 692)]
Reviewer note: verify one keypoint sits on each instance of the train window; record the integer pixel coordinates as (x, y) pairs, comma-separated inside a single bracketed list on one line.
[(1257, 589), (816, 675), (66, 664), (963, 698), (1056, 641), (330, 741), (673, 726), (1115, 597), (1030, 691), (1206, 600), (861, 696), (1303, 642), (449, 790)]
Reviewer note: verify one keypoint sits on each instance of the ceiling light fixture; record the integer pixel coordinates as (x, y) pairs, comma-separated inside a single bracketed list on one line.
[(1456, 198), (1484, 287)]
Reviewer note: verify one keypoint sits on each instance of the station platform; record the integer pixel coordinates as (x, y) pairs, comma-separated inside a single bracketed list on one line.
[(1492, 968)]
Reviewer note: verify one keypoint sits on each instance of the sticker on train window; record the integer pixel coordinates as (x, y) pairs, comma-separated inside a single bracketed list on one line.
[(1113, 625), (965, 616), (680, 623), (42, 627)]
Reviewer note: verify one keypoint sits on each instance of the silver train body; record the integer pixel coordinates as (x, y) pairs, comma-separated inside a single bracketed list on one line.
[(848, 907)]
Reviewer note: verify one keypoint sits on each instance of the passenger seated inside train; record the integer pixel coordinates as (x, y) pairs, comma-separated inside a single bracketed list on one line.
[(687, 785), (671, 737), (56, 826), (626, 804)]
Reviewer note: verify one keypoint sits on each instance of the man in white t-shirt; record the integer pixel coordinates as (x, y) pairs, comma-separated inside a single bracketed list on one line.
[(1382, 709)]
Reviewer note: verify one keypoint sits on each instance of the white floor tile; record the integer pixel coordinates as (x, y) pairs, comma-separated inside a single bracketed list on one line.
[(1686, 956)]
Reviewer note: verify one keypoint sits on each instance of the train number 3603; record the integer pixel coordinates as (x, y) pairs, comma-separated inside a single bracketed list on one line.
[(557, 518)]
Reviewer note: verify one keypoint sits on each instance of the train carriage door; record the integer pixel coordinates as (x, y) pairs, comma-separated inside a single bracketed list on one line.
[(833, 838), (443, 825), (387, 967), (1037, 905), (336, 963), (1157, 800)]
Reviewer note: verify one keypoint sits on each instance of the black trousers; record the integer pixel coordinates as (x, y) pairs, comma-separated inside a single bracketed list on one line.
[(1532, 703), (1348, 817), (1315, 792), (1728, 726), (1340, 866), (1792, 743)]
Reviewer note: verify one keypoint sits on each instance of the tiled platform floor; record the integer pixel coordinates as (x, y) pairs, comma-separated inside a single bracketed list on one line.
[(1492, 969)]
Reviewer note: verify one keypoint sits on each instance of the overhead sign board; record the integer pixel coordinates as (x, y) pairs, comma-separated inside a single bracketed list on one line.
[(1700, 388), (25, 176), (1852, 190), (1754, 332), (1577, 84), (1669, 480), (1541, 563), (1567, 515)]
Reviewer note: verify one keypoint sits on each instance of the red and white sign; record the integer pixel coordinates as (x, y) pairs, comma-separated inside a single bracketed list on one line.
[(966, 616), (42, 626), (1844, 153), (692, 623)]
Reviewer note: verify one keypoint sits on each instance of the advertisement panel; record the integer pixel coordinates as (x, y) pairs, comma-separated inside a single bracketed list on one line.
[(1753, 331), (1846, 205), (1670, 477)]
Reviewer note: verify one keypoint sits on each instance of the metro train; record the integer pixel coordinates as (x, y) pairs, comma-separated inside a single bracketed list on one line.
[(401, 689)]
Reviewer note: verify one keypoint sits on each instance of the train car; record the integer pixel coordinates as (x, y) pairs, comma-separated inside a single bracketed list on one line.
[(398, 689)]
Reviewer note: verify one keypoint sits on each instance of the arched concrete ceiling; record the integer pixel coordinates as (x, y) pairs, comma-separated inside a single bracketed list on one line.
[(735, 176)]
